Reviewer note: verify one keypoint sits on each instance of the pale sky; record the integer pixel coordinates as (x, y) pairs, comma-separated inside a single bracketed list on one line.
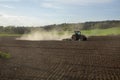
[(45, 12)]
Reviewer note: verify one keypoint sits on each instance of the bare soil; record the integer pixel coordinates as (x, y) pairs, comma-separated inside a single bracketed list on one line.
[(95, 59)]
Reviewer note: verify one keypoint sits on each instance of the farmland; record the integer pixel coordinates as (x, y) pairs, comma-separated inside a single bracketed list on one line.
[(95, 59)]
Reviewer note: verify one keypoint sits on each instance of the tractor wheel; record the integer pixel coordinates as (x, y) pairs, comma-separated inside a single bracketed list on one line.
[(83, 38), (73, 38)]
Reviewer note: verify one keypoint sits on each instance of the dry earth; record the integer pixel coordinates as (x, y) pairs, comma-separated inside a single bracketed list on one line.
[(95, 59)]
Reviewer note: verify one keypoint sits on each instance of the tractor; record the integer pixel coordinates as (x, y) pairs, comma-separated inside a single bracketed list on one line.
[(77, 36)]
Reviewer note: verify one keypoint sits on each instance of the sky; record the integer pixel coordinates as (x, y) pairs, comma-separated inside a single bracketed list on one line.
[(47, 12)]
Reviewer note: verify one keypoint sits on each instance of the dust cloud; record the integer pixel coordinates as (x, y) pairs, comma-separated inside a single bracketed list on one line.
[(35, 35)]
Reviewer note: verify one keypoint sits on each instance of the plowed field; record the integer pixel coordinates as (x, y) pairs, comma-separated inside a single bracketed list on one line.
[(95, 59)]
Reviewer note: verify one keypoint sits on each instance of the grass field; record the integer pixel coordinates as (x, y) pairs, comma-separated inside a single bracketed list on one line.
[(102, 32), (97, 32), (5, 34)]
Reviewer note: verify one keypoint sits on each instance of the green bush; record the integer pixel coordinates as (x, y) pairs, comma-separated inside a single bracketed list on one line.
[(4, 55)]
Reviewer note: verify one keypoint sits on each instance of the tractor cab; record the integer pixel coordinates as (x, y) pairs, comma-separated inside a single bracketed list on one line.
[(77, 32)]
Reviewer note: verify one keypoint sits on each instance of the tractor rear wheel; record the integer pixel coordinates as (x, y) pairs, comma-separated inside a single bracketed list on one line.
[(83, 38)]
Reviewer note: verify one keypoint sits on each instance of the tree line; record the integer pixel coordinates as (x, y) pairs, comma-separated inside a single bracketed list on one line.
[(14, 30), (62, 27)]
